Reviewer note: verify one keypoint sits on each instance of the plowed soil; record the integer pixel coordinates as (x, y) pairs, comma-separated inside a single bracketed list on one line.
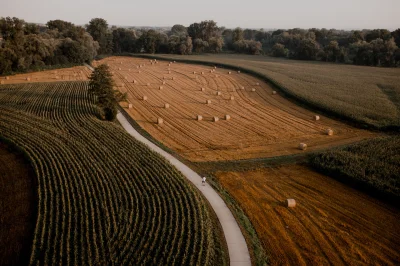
[(62, 74), (332, 224), (262, 124)]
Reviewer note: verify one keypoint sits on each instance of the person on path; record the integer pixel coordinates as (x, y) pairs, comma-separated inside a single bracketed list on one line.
[(203, 181)]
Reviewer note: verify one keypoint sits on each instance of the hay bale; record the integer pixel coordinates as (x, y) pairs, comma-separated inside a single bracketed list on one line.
[(2, 82), (229, 72), (28, 79), (144, 98), (160, 88), (7, 78), (160, 121), (130, 106), (203, 89), (303, 146), (134, 82), (208, 101), (329, 132), (219, 93), (232, 98), (273, 92), (174, 61), (57, 77), (139, 71), (202, 73), (215, 67), (215, 119), (166, 106), (119, 68), (169, 72), (227, 117), (199, 118), (242, 87), (290, 203), (173, 78), (121, 63), (316, 117), (238, 71), (194, 72), (253, 89), (164, 82)]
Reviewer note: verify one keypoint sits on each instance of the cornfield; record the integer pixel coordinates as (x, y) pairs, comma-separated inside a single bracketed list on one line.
[(104, 198)]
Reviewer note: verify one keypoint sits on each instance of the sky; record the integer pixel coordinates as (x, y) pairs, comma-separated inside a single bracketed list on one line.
[(267, 14)]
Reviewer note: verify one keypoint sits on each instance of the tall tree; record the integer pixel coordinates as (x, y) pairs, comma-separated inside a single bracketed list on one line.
[(101, 85), (98, 28)]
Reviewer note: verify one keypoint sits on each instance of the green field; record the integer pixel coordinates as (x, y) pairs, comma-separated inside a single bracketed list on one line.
[(103, 197), (371, 164), (368, 96)]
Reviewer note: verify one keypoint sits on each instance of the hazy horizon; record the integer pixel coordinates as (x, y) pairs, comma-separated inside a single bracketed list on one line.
[(357, 14)]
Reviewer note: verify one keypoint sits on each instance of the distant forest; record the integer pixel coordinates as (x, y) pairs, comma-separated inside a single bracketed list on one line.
[(26, 46)]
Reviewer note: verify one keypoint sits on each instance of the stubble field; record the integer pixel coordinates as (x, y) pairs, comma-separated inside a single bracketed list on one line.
[(332, 224), (261, 124)]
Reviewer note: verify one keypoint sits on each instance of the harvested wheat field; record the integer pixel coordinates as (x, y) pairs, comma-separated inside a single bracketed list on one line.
[(219, 114), (331, 224), (63, 74)]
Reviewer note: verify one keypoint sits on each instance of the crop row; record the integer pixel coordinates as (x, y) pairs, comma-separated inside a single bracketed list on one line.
[(104, 198)]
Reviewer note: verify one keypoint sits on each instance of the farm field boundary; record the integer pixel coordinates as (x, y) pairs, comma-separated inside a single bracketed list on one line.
[(237, 247)]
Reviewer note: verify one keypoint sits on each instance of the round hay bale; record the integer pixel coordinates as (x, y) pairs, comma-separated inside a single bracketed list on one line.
[(238, 71), (229, 72), (290, 203), (170, 63), (316, 117), (160, 121), (119, 68), (208, 101), (160, 88), (253, 89), (257, 84), (329, 132), (194, 72), (121, 63), (144, 98), (28, 79), (2, 82), (303, 146), (227, 117), (57, 77), (219, 93), (173, 78), (232, 98), (202, 73), (242, 88), (130, 106), (164, 82), (174, 61), (139, 71), (273, 92), (215, 67), (7, 78), (215, 119), (199, 118), (203, 89), (169, 72), (166, 106), (134, 82)]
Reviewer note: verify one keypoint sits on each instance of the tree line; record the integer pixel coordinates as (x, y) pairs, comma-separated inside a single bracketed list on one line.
[(25, 46)]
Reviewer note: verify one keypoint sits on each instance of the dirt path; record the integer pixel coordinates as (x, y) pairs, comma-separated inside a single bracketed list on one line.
[(237, 247), (261, 124), (332, 224)]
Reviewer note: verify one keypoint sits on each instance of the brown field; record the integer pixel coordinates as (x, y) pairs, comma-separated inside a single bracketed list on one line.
[(332, 224), (62, 74), (17, 208), (261, 124), (364, 94)]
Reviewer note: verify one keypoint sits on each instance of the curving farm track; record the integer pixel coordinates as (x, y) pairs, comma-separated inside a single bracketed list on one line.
[(104, 198), (261, 123)]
